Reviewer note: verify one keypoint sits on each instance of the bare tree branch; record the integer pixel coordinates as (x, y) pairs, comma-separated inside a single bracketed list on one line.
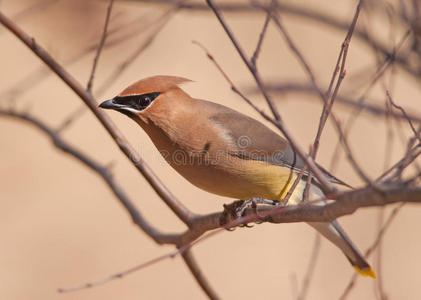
[(100, 46), (176, 206), (246, 61), (100, 170), (346, 203), (327, 105), (162, 20), (115, 276), (198, 275), (138, 219), (304, 88), (320, 17), (405, 115), (310, 268), (256, 52)]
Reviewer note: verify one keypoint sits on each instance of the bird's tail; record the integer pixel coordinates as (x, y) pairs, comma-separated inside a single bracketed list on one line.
[(334, 233)]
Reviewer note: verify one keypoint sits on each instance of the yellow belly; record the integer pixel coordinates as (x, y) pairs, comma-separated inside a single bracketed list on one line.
[(241, 179), (266, 180)]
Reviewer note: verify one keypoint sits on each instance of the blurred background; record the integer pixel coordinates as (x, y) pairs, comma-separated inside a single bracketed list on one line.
[(60, 226)]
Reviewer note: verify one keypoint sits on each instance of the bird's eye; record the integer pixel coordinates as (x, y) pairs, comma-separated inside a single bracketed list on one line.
[(144, 100)]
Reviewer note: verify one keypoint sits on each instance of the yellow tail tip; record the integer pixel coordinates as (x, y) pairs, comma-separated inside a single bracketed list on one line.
[(367, 272)]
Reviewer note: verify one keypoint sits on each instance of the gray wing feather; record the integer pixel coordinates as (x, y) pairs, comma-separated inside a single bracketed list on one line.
[(257, 142)]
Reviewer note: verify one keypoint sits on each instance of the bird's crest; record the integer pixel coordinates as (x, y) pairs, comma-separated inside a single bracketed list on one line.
[(161, 84)]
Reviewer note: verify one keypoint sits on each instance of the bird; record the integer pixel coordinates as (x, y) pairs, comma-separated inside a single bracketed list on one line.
[(224, 152)]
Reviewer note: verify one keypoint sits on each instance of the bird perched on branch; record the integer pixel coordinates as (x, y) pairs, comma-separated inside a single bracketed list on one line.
[(223, 151)]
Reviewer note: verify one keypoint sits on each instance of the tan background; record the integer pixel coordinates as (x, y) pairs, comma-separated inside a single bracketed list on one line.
[(60, 225)]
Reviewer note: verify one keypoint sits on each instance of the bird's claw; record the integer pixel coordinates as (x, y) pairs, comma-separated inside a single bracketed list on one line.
[(229, 214), (237, 209)]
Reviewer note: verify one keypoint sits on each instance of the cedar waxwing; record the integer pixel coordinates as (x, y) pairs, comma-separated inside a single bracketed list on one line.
[(223, 151)]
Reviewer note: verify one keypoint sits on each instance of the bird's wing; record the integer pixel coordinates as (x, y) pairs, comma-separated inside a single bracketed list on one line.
[(255, 141)]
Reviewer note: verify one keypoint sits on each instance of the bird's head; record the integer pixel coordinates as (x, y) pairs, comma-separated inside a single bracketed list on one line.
[(147, 97)]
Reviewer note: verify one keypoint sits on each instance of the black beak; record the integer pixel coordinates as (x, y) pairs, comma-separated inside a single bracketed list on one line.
[(108, 104)]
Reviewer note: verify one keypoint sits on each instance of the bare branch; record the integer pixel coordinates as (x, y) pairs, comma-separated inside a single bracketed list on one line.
[(310, 268), (411, 125), (41, 73), (162, 20), (198, 275), (176, 206), (256, 52), (339, 68), (245, 60), (346, 203), (100, 46), (301, 12), (116, 276), (100, 170), (398, 168), (304, 88), (327, 106), (135, 214)]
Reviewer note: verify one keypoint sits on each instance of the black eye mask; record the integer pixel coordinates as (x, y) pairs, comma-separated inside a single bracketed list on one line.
[(137, 102)]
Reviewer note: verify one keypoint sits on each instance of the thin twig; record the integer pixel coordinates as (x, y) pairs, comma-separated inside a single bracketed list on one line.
[(327, 105), (246, 61), (411, 125), (339, 68), (398, 167), (198, 275), (256, 52), (310, 268), (78, 112), (305, 88), (42, 73), (162, 20), (305, 13), (116, 275), (100, 46), (381, 69), (378, 284)]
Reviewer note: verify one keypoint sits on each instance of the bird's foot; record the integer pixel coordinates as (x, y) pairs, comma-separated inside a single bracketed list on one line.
[(229, 214), (252, 202), (237, 209)]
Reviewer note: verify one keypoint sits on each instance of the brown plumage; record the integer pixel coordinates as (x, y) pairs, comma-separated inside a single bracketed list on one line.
[(221, 150)]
